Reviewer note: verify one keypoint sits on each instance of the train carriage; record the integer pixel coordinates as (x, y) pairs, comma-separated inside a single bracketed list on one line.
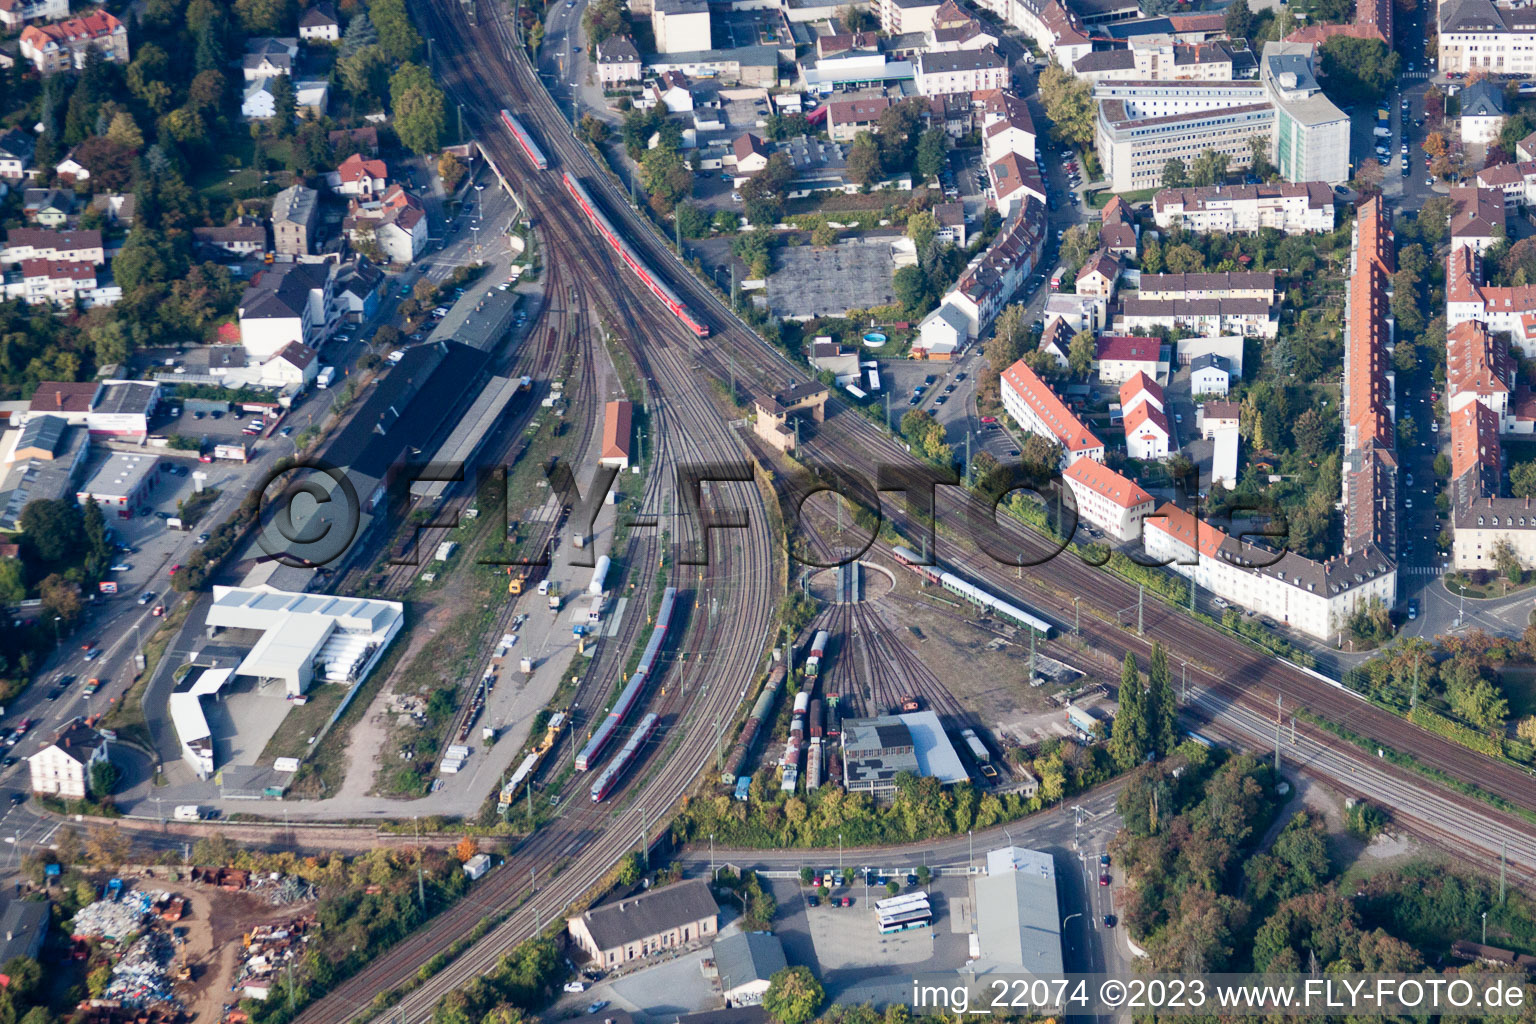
[(632, 260), (525, 141)]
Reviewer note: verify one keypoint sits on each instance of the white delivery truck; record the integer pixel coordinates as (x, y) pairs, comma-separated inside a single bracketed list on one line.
[(327, 375), (189, 812)]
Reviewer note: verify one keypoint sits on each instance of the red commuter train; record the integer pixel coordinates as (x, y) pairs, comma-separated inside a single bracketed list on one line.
[(531, 149), (632, 259)]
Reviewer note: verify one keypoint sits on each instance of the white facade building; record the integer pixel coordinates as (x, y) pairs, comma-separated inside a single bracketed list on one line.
[(63, 767), (1114, 503), (1302, 208)]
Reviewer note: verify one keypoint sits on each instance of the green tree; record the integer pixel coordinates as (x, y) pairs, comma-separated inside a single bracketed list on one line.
[(1162, 704), (1175, 175), (930, 152), (631, 869), (1358, 69), (1129, 740), (1239, 20), (284, 105), (1210, 168), (1522, 479), (54, 529), (13, 580), (692, 220), (864, 159), (794, 996), (264, 17), (104, 776), (1081, 353), (1507, 561), (396, 33), (365, 73), (360, 33), (418, 106), (1069, 104), (911, 289)]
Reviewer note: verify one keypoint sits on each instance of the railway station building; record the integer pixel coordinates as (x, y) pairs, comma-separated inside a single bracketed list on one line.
[(775, 412), (618, 429), (673, 917)]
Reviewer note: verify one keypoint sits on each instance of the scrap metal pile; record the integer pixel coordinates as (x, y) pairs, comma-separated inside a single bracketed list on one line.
[(141, 977)]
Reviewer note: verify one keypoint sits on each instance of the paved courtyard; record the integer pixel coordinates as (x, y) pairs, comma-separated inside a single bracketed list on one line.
[(811, 281)]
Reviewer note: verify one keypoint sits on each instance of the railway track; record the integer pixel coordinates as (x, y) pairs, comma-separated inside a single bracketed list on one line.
[(701, 683)]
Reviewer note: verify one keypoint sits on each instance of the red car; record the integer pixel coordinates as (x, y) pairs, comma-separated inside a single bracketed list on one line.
[(1104, 878), (989, 419), (174, 569)]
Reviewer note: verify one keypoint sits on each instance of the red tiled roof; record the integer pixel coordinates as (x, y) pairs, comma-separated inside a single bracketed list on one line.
[(1474, 439), (57, 270), (1036, 394), (355, 168), (617, 420), (63, 396), (1102, 480), (95, 25), (1146, 413), (1365, 413), (1123, 348), (1183, 526), (1136, 385), (1475, 362)]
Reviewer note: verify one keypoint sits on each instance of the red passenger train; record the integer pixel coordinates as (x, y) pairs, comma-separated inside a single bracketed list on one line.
[(632, 259), (531, 149)]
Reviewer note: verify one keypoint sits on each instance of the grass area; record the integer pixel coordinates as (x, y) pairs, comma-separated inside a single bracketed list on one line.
[(223, 181), (1099, 200), (1461, 586), (304, 721)]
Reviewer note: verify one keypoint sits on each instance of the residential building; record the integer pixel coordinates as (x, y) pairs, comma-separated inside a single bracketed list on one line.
[(1147, 434), (1213, 318), (258, 102), (63, 283), (63, 45), (1476, 465), (1311, 138), (1098, 275), (618, 434), (243, 237), (618, 62), (954, 28), (951, 220), (1216, 416), (846, 118), (294, 364), (1292, 209), (361, 178), (680, 26), (1373, 20), (16, 13), (749, 154), (1158, 62), (1138, 389), (257, 67), (1015, 182), (16, 152), (1118, 234), (48, 207), (283, 304), (745, 963), (70, 171), (1368, 404), (1482, 526), (1115, 504), (345, 141), (671, 917), (1031, 403), (24, 924), (1235, 284), (294, 212), (1056, 340), (992, 279), (1315, 598), (1006, 125), (1517, 181), (1119, 357), (319, 24), (1476, 35), (961, 71), (63, 767), (1482, 112), (1140, 126), (1209, 376), (396, 225), (1056, 29), (1478, 220), (311, 96), (1479, 368), (942, 333), (355, 294), (898, 17), (43, 244), (117, 208)]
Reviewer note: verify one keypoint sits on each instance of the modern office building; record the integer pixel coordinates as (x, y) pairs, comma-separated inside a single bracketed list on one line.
[(1311, 137)]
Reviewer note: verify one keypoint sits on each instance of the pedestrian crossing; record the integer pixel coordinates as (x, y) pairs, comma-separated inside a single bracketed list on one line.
[(1413, 75), (1421, 570)]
